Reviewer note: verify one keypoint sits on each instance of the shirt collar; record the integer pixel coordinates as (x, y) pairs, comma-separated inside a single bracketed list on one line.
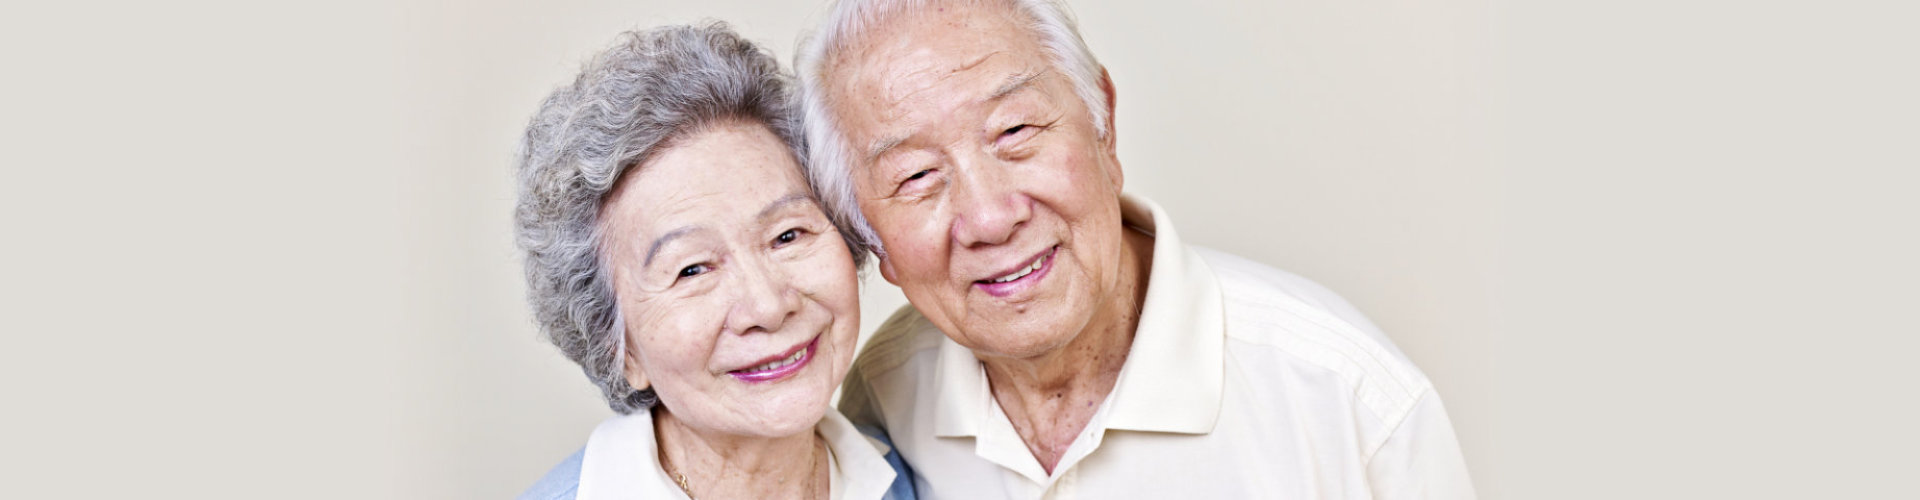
[(1175, 372), (622, 461), (861, 471), (963, 398)]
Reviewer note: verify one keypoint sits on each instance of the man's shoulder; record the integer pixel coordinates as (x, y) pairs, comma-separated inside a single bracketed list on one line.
[(897, 341), (1294, 321), (1265, 295), (891, 369), (1263, 286)]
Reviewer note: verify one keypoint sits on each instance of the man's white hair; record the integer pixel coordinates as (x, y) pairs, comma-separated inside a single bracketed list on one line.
[(830, 157)]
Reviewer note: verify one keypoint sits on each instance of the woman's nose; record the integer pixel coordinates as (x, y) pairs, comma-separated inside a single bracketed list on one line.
[(763, 301)]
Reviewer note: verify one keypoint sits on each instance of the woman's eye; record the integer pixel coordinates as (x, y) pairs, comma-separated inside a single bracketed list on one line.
[(693, 270), (786, 237), (1015, 130), (918, 175)]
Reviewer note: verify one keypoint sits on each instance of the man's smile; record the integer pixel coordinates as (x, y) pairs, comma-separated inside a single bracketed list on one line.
[(1027, 276)]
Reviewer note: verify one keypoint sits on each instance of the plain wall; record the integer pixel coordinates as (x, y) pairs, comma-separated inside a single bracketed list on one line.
[(1644, 249)]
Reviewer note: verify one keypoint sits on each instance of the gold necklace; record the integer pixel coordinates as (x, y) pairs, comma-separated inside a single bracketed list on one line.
[(813, 465), (678, 478)]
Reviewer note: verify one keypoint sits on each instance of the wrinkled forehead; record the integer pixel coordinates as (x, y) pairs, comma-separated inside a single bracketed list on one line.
[(697, 181), (910, 67)]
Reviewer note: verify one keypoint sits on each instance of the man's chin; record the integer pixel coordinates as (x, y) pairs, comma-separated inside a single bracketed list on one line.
[(1019, 344)]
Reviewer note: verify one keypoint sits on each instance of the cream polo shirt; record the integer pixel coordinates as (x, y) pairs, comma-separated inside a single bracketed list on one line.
[(1243, 381), (622, 462)]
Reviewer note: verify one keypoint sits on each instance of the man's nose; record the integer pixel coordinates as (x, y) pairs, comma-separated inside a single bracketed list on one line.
[(989, 205), (764, 298)]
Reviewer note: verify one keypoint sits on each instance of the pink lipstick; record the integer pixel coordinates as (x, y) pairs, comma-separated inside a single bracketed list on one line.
[(778, 367)]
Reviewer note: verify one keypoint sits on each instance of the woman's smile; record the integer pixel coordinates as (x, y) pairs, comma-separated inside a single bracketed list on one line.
[(779, 367)]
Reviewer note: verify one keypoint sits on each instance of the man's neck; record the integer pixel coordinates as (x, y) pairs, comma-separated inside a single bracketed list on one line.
[(1050, 398)]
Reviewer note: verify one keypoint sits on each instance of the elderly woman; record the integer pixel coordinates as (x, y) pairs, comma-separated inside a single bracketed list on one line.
[(675, 251)]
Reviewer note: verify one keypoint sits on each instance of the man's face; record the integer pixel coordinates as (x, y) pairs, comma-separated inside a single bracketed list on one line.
[(995, 200)]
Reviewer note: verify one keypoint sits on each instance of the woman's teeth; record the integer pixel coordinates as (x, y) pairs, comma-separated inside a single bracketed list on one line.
[(779, 363), (1035, 266)]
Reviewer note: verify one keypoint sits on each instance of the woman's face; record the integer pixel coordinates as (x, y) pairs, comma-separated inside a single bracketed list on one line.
[(739, 297)]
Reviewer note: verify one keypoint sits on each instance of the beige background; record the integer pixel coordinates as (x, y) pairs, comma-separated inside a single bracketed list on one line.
[(1645, 249)]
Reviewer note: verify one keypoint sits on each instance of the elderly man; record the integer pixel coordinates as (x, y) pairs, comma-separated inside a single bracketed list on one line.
[(1062, 341)]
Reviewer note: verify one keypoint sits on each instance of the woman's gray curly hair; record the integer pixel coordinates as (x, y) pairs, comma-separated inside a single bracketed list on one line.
[(630, 103)]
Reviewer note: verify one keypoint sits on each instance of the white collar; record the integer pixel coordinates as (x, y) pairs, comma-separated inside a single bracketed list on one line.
[(622, 461)]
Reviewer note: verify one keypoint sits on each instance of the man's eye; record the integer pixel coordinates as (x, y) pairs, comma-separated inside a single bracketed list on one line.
[(694, 270), (918, 184), (1017, 135)]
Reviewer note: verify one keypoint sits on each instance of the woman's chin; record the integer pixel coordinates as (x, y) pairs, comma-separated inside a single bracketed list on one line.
[(781, 414), (775, 421), (773, 409)]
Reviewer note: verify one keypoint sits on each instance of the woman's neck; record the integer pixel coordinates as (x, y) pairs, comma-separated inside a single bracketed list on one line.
[(717, 466)]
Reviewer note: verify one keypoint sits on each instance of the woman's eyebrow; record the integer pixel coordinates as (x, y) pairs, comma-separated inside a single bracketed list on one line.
[(654, 249), (790, 199), (783, 202)]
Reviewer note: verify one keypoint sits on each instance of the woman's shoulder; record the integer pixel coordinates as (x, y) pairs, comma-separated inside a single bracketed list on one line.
[(902, 488), (562, 482)]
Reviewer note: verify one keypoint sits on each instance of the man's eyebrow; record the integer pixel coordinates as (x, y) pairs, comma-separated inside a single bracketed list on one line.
[(880, 147), (783, 202), (654, 249), (1014, 83)]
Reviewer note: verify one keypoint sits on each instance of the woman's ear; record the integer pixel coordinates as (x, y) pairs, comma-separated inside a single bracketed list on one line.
[(886, 269), (636, 375)]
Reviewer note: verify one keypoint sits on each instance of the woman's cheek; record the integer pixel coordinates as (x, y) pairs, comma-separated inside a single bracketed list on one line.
[(679, 327)]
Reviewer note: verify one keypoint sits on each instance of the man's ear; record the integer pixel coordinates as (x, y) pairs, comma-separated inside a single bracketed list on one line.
[(1106, 87), (1117, 174), (636, 376)]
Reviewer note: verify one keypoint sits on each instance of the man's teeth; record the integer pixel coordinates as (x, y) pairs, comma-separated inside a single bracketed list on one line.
[(1035, 266), (795, 358)]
